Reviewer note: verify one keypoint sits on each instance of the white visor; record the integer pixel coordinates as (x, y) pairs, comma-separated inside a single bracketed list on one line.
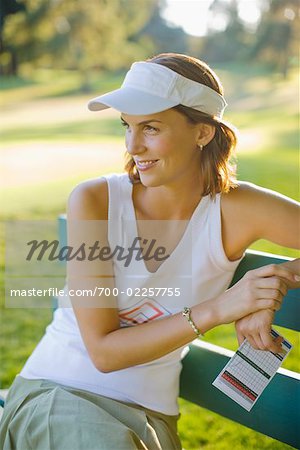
[(150, 88)]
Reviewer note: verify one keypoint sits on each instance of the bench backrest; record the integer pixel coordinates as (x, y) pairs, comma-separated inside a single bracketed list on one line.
[(277, 412)]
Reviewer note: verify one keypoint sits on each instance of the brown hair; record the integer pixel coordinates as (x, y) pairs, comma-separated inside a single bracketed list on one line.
[(217, 172)]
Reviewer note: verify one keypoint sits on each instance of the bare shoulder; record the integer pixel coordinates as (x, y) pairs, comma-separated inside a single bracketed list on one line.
[(250, 212), (256, 198), (89, 200), (244, 191)]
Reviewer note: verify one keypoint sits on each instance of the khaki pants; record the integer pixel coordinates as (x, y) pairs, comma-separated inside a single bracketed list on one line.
[(43, 415)]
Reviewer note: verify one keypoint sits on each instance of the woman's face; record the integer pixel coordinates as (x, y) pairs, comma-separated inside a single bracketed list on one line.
[(163, 146)]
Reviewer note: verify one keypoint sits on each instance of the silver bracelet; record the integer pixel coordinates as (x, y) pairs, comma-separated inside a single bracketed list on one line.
[(187, 313)]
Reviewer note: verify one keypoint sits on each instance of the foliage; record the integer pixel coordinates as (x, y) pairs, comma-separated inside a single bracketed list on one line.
[(278, 35), (275, 41), (164, 38), (229, 44), (109, 35), (8, 7), (77, 34)]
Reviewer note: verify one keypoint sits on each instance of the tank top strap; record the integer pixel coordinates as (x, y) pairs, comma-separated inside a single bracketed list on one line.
[(215, 240), (119, 194), (119, 204)]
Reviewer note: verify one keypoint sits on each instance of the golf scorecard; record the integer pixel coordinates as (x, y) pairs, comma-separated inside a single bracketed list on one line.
[(249, 371)]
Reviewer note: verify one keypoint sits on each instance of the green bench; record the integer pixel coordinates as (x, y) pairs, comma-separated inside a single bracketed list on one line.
[(277, 412)]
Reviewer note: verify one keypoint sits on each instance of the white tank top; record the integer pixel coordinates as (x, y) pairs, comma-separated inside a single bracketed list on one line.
[(198, 267)]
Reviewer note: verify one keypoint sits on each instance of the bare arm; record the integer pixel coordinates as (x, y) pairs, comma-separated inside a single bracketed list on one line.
[(250, 213), (111, 347), (268, 215)]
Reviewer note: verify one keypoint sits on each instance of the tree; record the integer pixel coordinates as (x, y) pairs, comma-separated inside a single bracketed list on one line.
[(278, 35), (7, 8), (230, 44), (80, 34), (165, 38)]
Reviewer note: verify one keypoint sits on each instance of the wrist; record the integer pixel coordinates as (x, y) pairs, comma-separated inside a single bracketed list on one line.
[(217, 310), (205, 316), (186, 312)]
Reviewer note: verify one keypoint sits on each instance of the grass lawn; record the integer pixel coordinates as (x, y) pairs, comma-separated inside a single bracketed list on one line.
[(267, 156)]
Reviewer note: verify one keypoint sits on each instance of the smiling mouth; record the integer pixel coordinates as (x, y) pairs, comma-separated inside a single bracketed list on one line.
[(146, 164)]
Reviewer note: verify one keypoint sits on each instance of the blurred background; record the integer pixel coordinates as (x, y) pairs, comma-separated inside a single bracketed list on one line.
[(57, 54)]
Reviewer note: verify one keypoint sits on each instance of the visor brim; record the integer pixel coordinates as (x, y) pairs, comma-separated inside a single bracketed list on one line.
[(131, 101)]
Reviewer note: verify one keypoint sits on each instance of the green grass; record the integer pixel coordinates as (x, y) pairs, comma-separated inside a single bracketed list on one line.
[(269, 158), (94, 130), (202, 429), (45, 201)]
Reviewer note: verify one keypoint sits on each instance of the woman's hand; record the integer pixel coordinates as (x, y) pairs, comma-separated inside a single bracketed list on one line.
[(260, 289), (256, 328), (293, 266)]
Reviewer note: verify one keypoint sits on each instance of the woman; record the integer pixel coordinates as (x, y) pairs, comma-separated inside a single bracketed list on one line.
[(164, 239)]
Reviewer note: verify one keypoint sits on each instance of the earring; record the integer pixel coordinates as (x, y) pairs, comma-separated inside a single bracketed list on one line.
[(200, 147)]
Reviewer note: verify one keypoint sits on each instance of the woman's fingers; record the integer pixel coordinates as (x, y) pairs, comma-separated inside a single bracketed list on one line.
[(269, 343), (272, 283), (271, 290), (276, 270), (240, 336), (258, 335), (268, 303), (272, 295), (259, 289), (255, 341), (254, 326), (269, 293), (264, 341)]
